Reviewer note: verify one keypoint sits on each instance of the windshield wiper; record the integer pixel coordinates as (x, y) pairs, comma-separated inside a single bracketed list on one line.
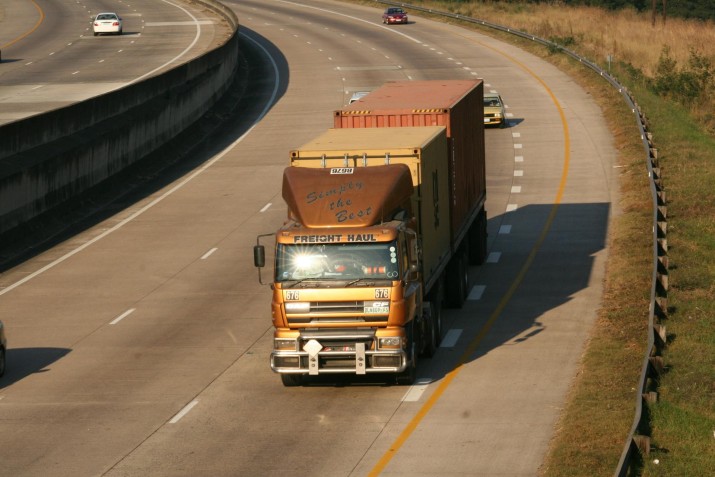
[(357, 280)]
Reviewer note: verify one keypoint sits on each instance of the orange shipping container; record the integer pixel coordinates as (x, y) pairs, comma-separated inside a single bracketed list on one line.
[(457, 105)]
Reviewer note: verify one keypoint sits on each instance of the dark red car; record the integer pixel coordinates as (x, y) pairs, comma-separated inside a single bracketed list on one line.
[(394, 15)]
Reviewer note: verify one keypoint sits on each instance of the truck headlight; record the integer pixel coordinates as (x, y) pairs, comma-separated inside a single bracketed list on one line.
[(389, 342), (298, 307), (285, 344)]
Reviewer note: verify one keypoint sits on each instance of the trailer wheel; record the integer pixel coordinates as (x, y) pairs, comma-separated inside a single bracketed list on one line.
[(478, 240), (408, 376), (292, 380)]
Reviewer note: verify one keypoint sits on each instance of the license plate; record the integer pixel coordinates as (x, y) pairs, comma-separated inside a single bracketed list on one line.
[(377, 310)]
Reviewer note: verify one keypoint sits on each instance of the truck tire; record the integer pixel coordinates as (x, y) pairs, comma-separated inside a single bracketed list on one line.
[(437, 297), (408, 376), (292, 380), (457, 279), (478, 240)]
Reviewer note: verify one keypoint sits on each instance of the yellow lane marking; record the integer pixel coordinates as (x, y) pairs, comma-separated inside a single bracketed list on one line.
[(37, 25), (424, 410)]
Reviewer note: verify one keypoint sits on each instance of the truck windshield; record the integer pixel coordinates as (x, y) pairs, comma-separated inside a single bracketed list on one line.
[(337, 261)]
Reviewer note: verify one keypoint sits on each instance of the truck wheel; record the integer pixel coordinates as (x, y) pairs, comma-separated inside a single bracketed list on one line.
[(431, 340), (292, 380), (437, 300), (457, 279), (408, 376)]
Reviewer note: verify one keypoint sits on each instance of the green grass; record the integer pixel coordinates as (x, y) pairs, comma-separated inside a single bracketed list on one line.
[(683, 420), (601, 405)]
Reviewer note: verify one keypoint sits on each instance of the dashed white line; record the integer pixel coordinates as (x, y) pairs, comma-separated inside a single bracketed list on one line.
[(450, 339), (476, 292), (511, 207), (266, 207), (515, 189), (208, 254), (494, 257), (518, 173), (517, 146), (122, 316), (415, 391), (183, 412), (518, 158)]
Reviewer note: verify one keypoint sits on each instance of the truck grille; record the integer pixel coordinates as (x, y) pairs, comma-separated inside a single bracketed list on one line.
[(323, 307), (338, 312)]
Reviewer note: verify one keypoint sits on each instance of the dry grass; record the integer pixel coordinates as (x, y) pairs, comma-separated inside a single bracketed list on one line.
[(627, 35)]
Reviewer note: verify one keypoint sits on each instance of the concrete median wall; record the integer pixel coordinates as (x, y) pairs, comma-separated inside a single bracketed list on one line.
[(50, 158)]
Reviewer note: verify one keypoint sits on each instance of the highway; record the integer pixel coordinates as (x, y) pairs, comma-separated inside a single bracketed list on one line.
[(50, 57), (139, 346)]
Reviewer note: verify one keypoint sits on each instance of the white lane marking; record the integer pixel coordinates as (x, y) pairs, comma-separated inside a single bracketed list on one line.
[(208, 254), (517, 146), (122, 316), (266, 207), (515, 189), (186, 50), (494, 257), (476, 292), (450, 339), (518, 173), (183, 412), (518, 158), (516, 134), (166, 194), (505, 230), (181, 23), (416, 390), (511, 207)]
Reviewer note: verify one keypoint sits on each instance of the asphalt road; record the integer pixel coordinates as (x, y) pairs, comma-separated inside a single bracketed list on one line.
[(50, 57), (140, 345)]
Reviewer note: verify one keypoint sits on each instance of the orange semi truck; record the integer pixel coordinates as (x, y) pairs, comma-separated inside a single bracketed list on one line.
[(362, 264)]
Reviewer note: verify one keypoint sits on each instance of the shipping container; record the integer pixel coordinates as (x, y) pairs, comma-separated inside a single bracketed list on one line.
[(458, 105)]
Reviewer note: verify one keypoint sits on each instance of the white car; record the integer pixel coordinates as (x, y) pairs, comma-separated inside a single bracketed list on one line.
[(107, 23)]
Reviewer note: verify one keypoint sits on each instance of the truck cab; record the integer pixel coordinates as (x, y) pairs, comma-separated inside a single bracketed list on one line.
[(346, 298)]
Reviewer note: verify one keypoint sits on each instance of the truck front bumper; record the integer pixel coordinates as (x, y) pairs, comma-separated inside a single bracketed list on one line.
[(338, 353)]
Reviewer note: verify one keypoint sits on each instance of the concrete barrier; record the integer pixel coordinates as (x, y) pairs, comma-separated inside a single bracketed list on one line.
[(50, 158)]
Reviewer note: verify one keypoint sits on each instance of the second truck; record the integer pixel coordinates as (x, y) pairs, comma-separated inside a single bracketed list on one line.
[(382, 225)]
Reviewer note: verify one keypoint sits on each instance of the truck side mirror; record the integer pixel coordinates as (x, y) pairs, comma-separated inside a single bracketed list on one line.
[(414, 271), (259, 256)]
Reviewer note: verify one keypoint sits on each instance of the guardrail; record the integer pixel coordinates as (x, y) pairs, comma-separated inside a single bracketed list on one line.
[(638, 440), (51, 158)]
